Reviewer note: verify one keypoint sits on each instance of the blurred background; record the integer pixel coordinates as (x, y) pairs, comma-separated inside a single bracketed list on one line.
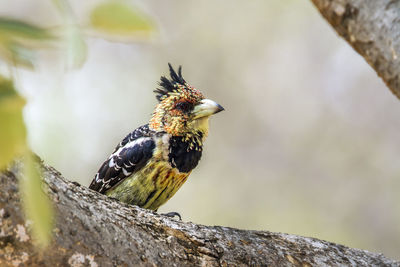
[(308, 143)]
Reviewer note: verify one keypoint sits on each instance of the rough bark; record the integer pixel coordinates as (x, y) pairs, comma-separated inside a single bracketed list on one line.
[(372, 28), (94, 230)]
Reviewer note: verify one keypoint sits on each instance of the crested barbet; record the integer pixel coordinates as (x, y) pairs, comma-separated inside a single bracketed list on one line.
[(151, 163)]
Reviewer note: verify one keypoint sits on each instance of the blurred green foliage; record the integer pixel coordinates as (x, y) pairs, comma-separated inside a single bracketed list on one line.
[(118, 18), (13, 143), (13, 132), (72, 37), (19, 42), (36, 204)]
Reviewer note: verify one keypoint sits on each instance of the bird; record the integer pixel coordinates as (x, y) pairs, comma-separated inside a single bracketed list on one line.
[(152, 162)]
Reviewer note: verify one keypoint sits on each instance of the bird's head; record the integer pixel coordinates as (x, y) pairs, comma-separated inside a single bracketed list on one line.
[(182, 109)]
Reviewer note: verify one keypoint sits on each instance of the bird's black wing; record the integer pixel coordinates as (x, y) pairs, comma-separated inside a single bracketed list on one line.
[(131, 154), (142, 131)]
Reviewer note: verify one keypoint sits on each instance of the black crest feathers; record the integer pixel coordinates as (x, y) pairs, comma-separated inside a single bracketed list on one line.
[(167, 85)]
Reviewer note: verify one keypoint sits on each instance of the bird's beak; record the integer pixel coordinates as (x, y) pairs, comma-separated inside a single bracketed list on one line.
[(206, 108)]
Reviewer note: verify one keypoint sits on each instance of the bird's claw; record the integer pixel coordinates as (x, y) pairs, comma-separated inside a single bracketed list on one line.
[(172, 215)]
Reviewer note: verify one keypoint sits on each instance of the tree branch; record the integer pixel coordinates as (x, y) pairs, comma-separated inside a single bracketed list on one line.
[(372, 28), (94, 230)]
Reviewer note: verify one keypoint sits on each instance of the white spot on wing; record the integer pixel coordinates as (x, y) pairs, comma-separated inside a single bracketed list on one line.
[(111, 163), (126, 173), (173, 162)]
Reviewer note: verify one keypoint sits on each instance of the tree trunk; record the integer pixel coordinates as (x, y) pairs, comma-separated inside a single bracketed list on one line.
[(372, 28), (94, 230)]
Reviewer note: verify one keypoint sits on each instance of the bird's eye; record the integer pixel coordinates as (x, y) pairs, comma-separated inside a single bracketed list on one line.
[(184, 106)]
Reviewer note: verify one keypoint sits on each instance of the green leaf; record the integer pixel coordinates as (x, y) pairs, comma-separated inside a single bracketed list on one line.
[(17, 54), (114, 17), (19, 40), (12, 28), (76, 47), (13, 132), (36, 203)]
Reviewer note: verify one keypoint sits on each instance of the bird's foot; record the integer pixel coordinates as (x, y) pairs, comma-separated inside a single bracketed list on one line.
[(172, 215)]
